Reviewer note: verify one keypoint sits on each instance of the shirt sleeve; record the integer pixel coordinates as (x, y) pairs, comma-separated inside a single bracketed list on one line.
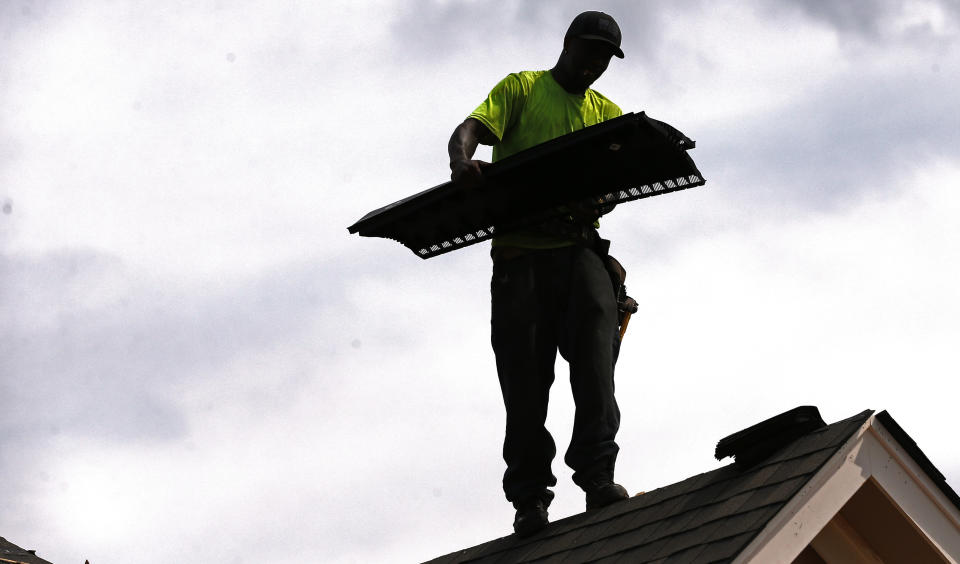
[(502, 106)]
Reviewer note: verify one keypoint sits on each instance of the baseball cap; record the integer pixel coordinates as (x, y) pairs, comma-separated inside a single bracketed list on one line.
[(597, 26)]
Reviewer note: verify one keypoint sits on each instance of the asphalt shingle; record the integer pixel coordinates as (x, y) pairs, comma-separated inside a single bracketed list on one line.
[(709, 517), (12, 553)]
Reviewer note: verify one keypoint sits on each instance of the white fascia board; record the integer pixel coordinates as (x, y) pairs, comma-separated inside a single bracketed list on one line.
[(915, 493), (870, 453)]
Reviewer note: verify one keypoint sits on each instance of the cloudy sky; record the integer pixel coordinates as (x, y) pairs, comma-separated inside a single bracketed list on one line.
[(197, 362)]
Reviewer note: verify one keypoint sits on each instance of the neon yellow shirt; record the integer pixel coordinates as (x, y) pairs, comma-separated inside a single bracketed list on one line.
[(528, 108)]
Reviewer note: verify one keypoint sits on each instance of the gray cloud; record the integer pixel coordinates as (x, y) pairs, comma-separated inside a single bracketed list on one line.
[(105, 368), (856, 135), (862, 17), (92, 350), (18, 16), (434, 31), (869, 20), (108, 366)]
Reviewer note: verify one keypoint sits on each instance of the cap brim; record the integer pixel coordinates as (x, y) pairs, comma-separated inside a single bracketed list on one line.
[(616, 48)]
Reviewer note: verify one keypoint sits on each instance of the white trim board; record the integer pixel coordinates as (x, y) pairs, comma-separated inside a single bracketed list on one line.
[(870, 453)]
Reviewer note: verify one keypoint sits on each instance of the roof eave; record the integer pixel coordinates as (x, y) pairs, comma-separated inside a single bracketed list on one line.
[(872, 452)]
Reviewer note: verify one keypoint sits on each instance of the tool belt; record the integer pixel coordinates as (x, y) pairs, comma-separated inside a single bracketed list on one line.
[(585, 235), (588, 236), (563, 228), (579, 232)]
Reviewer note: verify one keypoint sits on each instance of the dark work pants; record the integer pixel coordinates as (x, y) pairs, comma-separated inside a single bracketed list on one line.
[(542, 302)]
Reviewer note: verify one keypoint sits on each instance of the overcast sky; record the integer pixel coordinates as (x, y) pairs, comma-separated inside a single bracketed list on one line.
[(197, 362)]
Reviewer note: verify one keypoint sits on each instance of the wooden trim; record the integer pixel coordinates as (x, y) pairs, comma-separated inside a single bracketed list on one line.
[(840, 542), (870, 453)]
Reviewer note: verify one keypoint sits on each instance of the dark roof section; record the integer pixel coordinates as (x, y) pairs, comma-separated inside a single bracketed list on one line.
[(710, 517), (917, 455), (10, 552), (756, 443)]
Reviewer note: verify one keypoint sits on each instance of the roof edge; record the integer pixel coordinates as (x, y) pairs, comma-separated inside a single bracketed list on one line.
[(909, 445), (881, 451), (836, 473)]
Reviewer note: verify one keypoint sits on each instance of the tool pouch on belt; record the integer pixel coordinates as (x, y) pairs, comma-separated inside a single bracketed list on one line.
[(618, 277)]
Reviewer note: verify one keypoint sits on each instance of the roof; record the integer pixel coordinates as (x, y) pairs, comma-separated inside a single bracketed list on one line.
[(710, 517), (13, 554)]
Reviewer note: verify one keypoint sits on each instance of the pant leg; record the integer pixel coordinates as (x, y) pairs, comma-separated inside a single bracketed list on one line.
[(524, 340), (590, 335)]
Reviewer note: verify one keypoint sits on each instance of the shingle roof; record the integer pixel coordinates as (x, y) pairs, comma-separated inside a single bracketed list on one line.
[(10, 552), (710, 517)]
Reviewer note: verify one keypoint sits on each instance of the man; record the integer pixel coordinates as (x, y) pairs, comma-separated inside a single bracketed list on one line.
[(550, 290)]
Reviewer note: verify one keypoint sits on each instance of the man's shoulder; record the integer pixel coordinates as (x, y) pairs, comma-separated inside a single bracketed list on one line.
[(526, 79), (608, 107), (600, 98), (518, 86)]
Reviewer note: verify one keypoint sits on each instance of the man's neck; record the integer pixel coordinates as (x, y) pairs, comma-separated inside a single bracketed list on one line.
[(563, 80)]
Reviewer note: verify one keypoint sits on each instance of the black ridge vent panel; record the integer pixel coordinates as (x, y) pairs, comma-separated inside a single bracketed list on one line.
[(620, 160)]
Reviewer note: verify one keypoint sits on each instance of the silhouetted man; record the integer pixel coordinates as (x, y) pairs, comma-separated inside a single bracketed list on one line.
[(550, 290)]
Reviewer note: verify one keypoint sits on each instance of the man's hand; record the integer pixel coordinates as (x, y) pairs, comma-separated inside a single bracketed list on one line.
[(464, 169), (467, 172)]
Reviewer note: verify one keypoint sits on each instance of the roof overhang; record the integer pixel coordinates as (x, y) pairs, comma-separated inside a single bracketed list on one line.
[(873, 453)]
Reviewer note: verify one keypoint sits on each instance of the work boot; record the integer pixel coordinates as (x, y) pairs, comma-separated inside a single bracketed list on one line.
[(531, 516), (602, 494)]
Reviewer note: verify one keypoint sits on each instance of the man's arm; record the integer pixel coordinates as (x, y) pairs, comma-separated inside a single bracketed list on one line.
[(463, 144)]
